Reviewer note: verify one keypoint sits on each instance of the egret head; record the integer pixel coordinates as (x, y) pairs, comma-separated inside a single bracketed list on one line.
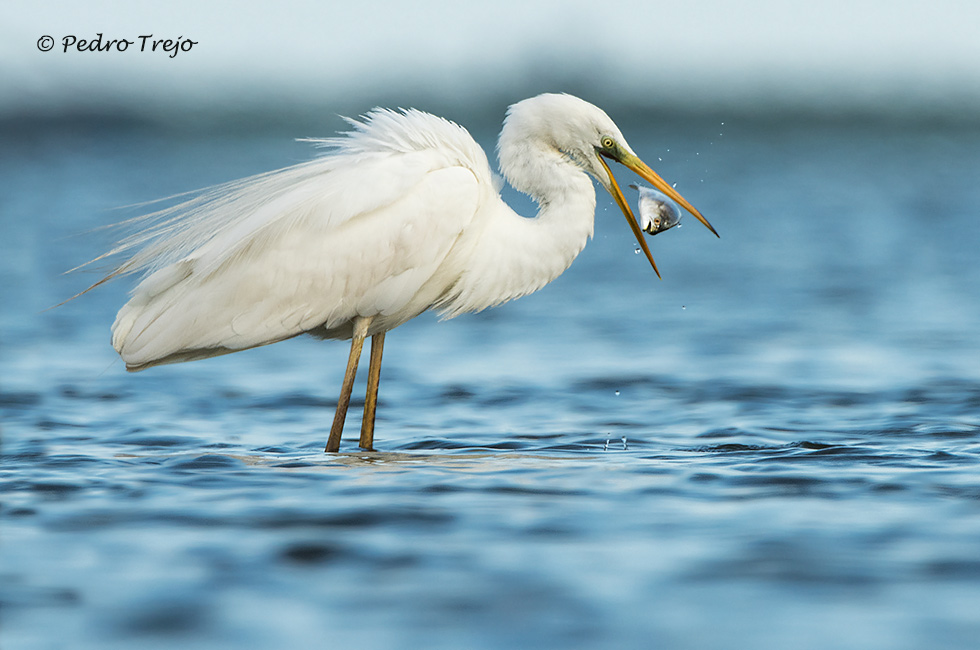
[(585, 135)]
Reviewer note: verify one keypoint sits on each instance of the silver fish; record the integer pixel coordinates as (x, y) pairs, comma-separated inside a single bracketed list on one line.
[(657, 212)]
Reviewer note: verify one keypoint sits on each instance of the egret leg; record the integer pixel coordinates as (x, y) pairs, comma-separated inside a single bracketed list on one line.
[(371, 400), (356, 344)]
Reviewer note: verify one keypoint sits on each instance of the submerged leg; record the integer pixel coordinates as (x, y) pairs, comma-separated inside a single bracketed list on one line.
[(357, 342), (371, 400)]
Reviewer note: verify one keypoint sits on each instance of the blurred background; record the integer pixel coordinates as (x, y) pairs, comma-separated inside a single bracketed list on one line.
[(826, 58), (778, 445)]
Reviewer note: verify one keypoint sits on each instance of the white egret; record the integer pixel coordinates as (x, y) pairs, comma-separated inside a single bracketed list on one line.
[(402, 216)]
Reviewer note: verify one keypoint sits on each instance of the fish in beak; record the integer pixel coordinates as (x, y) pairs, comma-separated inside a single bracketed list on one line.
[(614, 152), (657, 212)]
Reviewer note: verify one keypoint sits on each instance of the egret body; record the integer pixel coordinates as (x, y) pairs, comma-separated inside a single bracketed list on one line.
[(401, 216)]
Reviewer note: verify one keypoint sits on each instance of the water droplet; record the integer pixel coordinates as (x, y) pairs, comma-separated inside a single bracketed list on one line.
[(683, 306), (617, 392), (606, 446), (625, 446), (636, 251)]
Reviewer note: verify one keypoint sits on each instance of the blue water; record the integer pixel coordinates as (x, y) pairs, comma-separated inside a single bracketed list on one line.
[(777, 446)]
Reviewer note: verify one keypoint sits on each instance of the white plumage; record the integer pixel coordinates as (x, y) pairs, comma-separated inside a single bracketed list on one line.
[(402, 215)]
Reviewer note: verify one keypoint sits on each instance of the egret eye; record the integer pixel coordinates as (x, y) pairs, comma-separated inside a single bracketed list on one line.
[(608, 143)]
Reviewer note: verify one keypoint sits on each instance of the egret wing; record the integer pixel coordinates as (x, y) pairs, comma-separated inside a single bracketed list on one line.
[(330, 258)]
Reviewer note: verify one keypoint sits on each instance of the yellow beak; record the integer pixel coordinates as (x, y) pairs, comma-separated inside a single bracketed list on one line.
[(647, 174)]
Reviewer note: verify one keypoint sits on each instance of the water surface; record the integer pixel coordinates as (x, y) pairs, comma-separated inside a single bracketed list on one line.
[(777, 445)]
